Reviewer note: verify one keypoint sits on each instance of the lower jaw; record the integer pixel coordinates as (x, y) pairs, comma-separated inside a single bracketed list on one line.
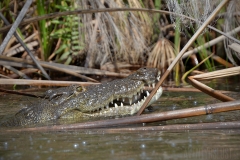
[(121, 110)]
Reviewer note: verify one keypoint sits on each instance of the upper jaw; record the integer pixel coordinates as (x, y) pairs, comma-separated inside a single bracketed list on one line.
[(132, 102)]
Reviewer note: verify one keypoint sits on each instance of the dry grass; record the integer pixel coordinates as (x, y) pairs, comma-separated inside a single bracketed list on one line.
[(117, 36), (231, 22), (161, 55)]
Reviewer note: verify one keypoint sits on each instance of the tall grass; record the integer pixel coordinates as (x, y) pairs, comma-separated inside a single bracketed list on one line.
[(43, 29), (177, 41)]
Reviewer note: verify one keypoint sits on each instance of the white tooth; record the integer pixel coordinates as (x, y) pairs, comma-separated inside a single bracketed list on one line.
[(141, 90), (153, 85), (117, 99), (138, 94), (130, 101), (107, 106), (149, 85), (123, 99), (148, 93), (158, 78), (112, 102), (136, 97), (121, 104), (115, 105)]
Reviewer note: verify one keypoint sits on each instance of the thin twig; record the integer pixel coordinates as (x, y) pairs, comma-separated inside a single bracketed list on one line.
[(18, 45), (15, 25), (21, 74), (42, 82), (188, 72), (222, 61), (1, 75), (25, 71), (18, 93), (19, 62)]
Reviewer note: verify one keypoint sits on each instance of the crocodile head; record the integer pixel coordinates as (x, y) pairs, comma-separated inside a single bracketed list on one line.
[(117, 98)]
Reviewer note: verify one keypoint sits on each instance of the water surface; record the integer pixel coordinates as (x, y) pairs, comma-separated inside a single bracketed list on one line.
[(98, 144)]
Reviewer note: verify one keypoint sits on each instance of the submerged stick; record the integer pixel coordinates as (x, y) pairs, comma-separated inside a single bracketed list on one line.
[(168, 115), (209, 90), (176, 127), (194, 37), (211, 75)]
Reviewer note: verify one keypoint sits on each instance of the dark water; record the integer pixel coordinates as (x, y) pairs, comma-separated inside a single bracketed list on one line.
[(220, 144), (99, 144)]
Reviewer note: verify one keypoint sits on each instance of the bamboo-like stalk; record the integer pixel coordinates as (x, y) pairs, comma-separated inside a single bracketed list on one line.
[(194, 37), (174, 127), (168, 115)]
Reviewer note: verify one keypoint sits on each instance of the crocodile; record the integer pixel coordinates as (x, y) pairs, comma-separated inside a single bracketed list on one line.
[(120, 97)]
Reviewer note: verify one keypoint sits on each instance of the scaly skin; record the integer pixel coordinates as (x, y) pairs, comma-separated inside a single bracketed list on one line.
[(92, 101)]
